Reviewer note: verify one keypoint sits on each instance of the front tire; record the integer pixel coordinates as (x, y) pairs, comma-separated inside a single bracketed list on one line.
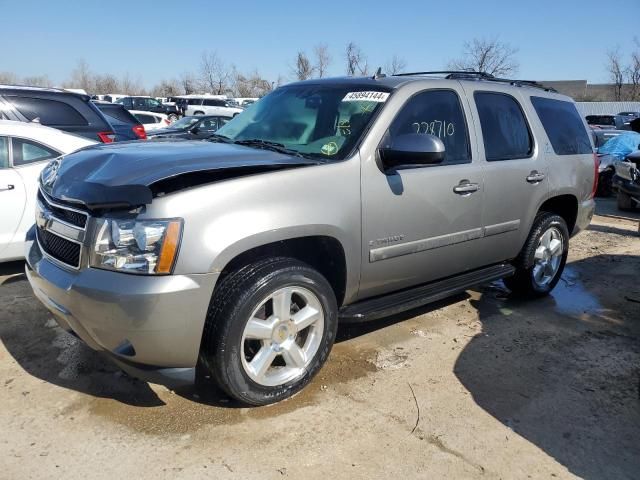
[(540, 264), (269, 329), (172, 117)]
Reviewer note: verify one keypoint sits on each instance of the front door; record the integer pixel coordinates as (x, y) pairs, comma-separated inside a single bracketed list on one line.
[(12, 199), (420, 224)]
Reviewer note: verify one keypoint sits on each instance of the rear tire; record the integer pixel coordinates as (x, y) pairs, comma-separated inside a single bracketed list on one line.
[(540, 264), (172, 117), (198, 113), (624, 201), (269, 329)]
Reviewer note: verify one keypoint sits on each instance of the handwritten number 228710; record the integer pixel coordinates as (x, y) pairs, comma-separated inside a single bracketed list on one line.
[(439, 128)]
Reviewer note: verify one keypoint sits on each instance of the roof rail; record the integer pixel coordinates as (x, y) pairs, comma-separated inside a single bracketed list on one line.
[(473, 75)]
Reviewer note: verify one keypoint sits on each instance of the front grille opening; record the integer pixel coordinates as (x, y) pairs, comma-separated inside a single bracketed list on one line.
[(70, 216), (59, 248)]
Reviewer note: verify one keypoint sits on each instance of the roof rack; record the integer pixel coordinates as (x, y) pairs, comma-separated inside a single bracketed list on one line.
[(473, 75)]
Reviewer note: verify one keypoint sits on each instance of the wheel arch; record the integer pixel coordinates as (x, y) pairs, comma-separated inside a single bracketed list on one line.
[(565, 205), (324, 252)]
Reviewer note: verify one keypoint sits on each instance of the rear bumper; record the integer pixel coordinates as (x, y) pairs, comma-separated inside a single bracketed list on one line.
[(585, 213), (145, 323)]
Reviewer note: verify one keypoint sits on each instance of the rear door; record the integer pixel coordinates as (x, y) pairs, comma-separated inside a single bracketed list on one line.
[(515, 170)]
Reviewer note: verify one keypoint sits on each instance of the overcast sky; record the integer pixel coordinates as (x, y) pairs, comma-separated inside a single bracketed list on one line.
[(152, 40)]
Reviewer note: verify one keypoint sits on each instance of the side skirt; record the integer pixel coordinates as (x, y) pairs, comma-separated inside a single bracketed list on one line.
[(403, 300)]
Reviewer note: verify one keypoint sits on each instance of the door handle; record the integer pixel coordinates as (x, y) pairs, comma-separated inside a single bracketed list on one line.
[(7, 187), (465, 188), (535, 177)]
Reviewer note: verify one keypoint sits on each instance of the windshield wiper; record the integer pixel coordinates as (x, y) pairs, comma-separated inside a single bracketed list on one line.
[(215, 137), (267, 145)]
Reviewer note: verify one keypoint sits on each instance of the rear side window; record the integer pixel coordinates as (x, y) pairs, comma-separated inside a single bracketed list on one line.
[(505, 131), (439, 113), (4, 152), (117, 112), (26, 151), (48, 112), (194, 101), (146, 118), (563, 125)]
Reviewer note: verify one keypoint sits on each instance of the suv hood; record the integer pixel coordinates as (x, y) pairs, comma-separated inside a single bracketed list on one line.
[(120, 175)]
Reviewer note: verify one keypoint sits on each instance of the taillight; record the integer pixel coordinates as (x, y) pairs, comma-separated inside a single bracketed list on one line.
[(107, 137), (167, 122), (596, 173), (139, 131)]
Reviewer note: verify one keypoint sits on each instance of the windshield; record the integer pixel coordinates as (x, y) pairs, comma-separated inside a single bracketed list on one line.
[(185, 122), (314, 120)]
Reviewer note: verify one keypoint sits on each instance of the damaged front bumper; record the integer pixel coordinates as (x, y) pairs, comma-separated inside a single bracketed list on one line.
[(150, 325)]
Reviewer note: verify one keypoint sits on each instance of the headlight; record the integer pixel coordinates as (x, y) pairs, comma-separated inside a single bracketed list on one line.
[(145, 247)]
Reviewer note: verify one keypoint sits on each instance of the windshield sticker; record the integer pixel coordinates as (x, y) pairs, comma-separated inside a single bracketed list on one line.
[(379, 97), (330, 148)]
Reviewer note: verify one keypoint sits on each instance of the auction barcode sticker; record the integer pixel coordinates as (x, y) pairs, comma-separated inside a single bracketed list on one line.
[(366, 97)]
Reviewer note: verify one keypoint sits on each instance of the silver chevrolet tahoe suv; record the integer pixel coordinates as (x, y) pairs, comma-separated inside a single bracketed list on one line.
[(330, 200)]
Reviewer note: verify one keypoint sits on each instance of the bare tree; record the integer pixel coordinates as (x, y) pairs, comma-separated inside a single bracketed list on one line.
[(81, 77), (106, 83), (214, 76), (188, 83), (302, 70), (131, 86), (166, 88), (8, 78), (251, 85), (633, 72), (37, 81), (356, 60), (616, 72), (323, 59), (488, 56), (395, 65)]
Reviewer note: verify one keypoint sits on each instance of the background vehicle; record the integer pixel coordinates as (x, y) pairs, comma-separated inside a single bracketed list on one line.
[(150, 120), (348, 198), (608, 121), (615, 150), (25, 148), (148, 104), (210, 105), (113, 97), (246, 101), (627, 182), (192, 128), (71, 112), (124, 124)]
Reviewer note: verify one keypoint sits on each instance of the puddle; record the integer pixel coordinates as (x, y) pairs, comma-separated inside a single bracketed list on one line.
[(186, 411), (572, 298)]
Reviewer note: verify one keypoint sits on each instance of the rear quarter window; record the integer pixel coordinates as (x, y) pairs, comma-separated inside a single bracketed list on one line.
[(48, 112), (563, 125)]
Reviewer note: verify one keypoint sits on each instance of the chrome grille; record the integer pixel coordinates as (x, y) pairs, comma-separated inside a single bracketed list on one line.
[(60, 230)]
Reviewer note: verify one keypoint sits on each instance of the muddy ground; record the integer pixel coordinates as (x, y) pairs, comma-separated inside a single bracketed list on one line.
[(478, 386)]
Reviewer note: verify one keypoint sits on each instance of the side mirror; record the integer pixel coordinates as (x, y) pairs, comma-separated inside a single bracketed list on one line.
[(412, 149), (195, 130)]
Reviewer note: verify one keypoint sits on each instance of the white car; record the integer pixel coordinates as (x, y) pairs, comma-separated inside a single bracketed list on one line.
[(25, 149), (210, 105), (150, 120)]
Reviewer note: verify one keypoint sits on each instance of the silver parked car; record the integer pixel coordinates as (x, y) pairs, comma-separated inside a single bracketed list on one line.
[(329, 200)]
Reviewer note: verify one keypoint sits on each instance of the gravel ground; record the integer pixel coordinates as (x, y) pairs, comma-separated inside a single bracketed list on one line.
[(478, 386)]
